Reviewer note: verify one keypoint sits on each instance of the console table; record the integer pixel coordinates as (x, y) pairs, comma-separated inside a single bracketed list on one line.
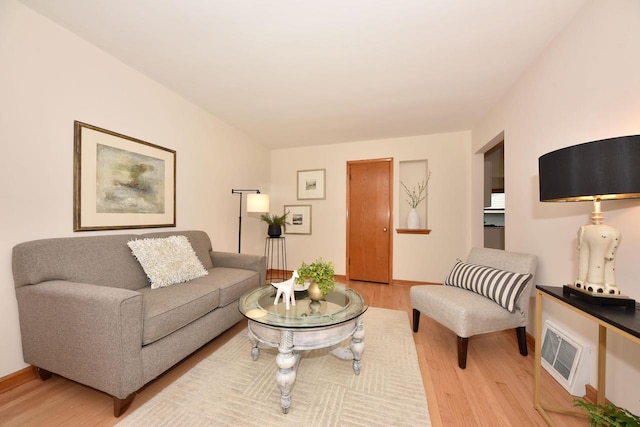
[(275, 250), (617, 319)]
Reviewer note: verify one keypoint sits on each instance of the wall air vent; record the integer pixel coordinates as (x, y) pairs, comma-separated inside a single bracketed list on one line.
[(566, 360)]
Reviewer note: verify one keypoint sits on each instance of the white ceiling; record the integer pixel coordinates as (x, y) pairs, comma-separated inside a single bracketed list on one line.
[(302, 72)]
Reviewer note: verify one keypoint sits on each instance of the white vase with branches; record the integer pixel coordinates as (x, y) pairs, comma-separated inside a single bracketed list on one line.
[(414, 197)]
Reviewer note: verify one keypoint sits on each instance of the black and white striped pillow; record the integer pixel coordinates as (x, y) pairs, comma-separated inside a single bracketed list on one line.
[(503, 287)]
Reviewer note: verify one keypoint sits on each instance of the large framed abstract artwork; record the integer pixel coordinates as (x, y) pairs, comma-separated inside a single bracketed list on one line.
[(121, 182)]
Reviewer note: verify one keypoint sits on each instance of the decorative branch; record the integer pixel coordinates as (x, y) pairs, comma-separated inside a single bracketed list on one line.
[(415, 197)]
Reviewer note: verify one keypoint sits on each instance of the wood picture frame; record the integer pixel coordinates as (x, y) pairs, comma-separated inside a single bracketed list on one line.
[(300, 219), (311, 184), (121, 182)]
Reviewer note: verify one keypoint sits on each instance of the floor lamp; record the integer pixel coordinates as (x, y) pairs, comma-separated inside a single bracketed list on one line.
[(256, 202), (608, 169)]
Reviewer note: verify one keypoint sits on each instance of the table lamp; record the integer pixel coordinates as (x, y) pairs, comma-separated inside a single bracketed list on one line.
[(256, 202), (608, 169)]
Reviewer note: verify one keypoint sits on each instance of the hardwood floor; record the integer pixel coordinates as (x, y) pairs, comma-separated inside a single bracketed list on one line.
[(496, 389)]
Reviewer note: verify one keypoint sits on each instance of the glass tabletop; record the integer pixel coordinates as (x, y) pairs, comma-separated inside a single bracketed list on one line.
[(340, 305)]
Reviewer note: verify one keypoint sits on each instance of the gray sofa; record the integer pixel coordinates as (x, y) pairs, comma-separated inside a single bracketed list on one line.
[(88, 313)]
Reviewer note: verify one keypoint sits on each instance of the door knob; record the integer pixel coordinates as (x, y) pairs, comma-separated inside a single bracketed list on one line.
[(384, 229)]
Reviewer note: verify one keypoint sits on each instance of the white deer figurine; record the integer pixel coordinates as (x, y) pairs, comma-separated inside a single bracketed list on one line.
[(286, 290)]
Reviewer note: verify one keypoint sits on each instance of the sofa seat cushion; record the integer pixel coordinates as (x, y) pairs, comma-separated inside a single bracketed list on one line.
[(170, 308), (233, 282), (464, 312)]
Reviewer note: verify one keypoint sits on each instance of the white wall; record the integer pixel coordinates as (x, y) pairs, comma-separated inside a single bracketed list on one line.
[(585, 87), (49, 78), (416, 257)]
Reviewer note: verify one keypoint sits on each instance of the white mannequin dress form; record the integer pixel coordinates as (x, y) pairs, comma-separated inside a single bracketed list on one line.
[(597, 245)]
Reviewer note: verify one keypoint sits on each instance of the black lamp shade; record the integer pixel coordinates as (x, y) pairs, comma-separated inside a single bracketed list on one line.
[(609, 169)]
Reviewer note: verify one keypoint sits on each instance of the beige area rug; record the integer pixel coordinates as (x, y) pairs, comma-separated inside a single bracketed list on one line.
[(229, 389)]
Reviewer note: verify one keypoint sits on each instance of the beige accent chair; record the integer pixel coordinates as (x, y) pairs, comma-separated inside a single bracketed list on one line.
[(468, 313)]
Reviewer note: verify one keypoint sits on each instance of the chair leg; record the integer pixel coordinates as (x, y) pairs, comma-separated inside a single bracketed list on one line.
[(463, 344), (416, 320), (521, 332)]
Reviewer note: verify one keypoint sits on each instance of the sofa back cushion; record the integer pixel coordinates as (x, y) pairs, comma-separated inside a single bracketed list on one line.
[(99, 260), (199, 240)]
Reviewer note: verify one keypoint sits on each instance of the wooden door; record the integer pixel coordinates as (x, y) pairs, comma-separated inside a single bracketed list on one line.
[(369, 236)]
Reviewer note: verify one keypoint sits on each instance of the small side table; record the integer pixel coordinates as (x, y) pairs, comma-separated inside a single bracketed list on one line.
[(275, 250)]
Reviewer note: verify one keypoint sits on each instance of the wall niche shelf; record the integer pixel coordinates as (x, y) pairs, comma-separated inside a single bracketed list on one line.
[(412, 174), (413, 231)]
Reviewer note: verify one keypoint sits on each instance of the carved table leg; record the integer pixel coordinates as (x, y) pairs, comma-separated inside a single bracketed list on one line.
[(287, 362), (255, 350), (357, 345)]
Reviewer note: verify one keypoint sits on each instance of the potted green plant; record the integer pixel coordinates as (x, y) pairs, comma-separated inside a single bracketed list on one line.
[(608, 415), (276, 223), (321, 273)]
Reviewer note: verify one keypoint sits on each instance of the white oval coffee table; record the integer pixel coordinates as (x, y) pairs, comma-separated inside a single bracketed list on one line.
[(305, 326)]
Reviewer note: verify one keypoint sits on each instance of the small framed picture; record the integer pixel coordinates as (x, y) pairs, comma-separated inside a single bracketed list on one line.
[(311, 184), (299, 218)]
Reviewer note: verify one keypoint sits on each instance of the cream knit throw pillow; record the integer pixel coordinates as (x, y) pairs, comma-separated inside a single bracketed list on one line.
[(167, 261)]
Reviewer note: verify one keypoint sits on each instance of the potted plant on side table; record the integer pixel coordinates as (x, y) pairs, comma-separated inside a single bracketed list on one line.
[(276, 223), (320, 274)]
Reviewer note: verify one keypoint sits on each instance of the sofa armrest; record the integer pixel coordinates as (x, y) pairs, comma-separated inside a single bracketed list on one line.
[(257, 263), (88, 333)]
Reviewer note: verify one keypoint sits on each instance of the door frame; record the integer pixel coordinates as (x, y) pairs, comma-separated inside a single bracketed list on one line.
[(390, 161), (491, 148)]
